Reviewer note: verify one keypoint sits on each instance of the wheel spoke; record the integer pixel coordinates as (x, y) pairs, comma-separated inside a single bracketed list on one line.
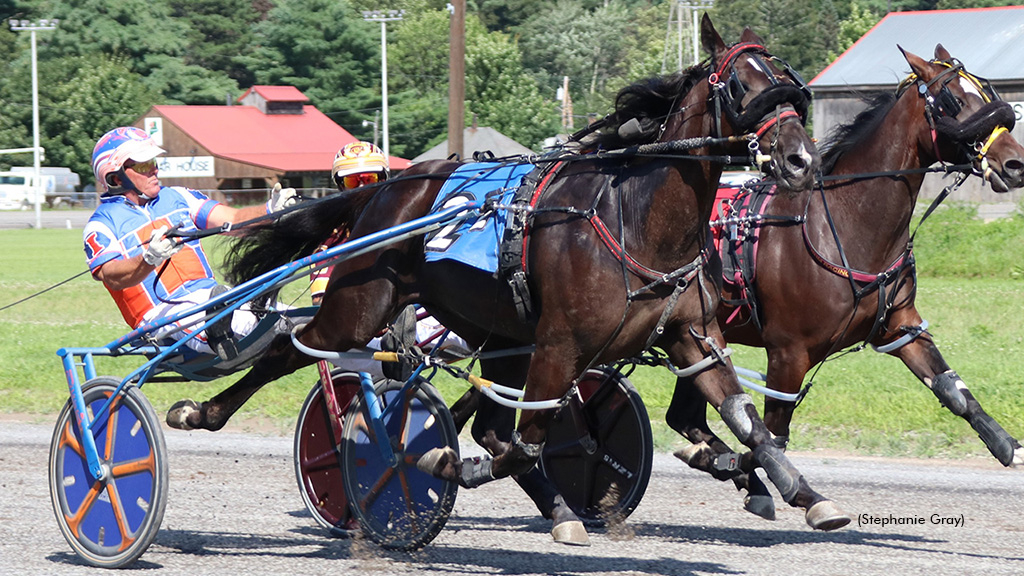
[(74, 521), (611, 417), (370, 496), (567, 449), (588, 474), (323, 461), (147, 464), (70, 441), (410, 505), (120, 516)]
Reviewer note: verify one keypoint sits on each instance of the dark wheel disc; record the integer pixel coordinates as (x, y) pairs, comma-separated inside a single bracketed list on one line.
[(599, 448), (317, 455), (398, 506)]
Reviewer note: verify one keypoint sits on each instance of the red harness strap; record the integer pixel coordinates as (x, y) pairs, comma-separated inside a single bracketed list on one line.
[(533, 203), (778, 118), (602, 232), (730, 55), (850, 273), (619, 252)]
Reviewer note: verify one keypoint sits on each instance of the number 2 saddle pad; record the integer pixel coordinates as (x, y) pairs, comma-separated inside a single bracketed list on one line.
[(475, 241)]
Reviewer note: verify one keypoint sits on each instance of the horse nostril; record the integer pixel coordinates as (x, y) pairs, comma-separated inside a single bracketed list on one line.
[(1014, 167), (797, 163)]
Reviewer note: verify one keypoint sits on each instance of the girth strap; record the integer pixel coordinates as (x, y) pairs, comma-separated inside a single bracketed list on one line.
[(512, 255)]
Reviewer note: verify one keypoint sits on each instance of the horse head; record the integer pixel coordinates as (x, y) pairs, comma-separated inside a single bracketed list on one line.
[(759, 93), (971, 124)]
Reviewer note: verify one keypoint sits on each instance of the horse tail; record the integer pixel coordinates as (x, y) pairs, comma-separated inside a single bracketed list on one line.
[(298, 234)]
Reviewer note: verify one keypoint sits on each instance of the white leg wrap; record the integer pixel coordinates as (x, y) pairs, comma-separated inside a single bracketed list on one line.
[(734, 413)]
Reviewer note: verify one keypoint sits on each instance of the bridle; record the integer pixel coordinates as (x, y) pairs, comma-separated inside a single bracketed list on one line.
[(974, 135), (766, 110)]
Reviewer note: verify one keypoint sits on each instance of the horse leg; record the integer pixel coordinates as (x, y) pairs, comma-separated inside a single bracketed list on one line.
[(492, 429), (687, 415), (464, 408), (923, 358), (722, 390), (526, 442), (375, 298), (786, 371), (280, 359)]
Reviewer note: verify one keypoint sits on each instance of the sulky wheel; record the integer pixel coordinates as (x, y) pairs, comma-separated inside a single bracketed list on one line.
[(599, 448), (110, 522), (318, 455), (399, 507)]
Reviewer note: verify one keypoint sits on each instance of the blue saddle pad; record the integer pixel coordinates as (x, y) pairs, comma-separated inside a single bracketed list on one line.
[(475, 241)]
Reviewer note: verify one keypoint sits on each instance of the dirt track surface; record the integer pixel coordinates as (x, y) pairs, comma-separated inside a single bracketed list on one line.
[(234, 508)]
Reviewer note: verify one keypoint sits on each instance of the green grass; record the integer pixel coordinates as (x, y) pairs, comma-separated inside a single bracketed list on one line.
[(863, 402)]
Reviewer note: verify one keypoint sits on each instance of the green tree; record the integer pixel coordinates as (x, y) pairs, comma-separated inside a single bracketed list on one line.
[(326, 50), (146, 33), (501, 93), (789, 29), (219, 32), (101, 94), (505, 15), (418, 73), (853, 27)]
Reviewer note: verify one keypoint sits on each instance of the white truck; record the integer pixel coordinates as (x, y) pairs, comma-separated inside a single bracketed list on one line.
[(18, 187)]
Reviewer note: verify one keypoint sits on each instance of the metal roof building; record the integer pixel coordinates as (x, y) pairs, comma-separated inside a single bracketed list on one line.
[(989, 41), (474, 139)]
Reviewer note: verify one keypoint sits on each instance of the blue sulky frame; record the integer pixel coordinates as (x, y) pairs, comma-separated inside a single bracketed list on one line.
[(136, 342)]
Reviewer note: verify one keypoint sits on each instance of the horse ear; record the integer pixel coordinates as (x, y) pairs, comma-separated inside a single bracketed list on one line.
[(917, 64), (709, 37), (750, 36), (941, 53)]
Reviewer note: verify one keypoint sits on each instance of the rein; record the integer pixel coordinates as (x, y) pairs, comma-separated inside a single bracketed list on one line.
[(878, 281)]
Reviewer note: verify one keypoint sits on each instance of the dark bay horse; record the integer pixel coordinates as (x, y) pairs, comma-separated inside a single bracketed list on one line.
[(616, 261), (809, 295)]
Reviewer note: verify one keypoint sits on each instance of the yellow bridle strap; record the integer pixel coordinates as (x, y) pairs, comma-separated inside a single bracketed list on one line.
[(992, 138)]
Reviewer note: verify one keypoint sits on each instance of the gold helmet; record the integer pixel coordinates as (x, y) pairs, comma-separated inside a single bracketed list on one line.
[(359, 163)]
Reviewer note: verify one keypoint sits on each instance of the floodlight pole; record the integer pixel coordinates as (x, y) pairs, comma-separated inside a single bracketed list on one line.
[(384, 16), (18, 26), (693, 6)]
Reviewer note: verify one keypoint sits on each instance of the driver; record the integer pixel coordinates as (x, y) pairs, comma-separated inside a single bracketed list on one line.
[(362, 164), (149, 275)]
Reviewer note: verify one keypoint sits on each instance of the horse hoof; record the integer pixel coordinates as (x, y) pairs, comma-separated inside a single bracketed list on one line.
[(688, 453), (1018, 458), (177, 416), (759, 505), (825, 515), (436, 460), (572, 533)]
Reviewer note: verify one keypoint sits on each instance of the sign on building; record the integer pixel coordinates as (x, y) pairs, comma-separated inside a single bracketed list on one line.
[(185, 166)]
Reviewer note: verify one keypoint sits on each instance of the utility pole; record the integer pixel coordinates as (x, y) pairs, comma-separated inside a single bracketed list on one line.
[(567, 124), (32, 27), (684, 10), (384, 16), (457, 77)]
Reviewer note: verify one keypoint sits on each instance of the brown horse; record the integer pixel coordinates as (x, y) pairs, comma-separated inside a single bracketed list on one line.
[(616, 260), (808, 296)]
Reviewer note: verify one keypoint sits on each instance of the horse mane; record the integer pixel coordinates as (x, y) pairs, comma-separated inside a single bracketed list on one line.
[(649, 101), (298, 233), (845, 137)]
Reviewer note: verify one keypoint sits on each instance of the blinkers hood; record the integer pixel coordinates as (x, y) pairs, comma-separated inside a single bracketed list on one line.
[(767, 101), (979, 125)]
